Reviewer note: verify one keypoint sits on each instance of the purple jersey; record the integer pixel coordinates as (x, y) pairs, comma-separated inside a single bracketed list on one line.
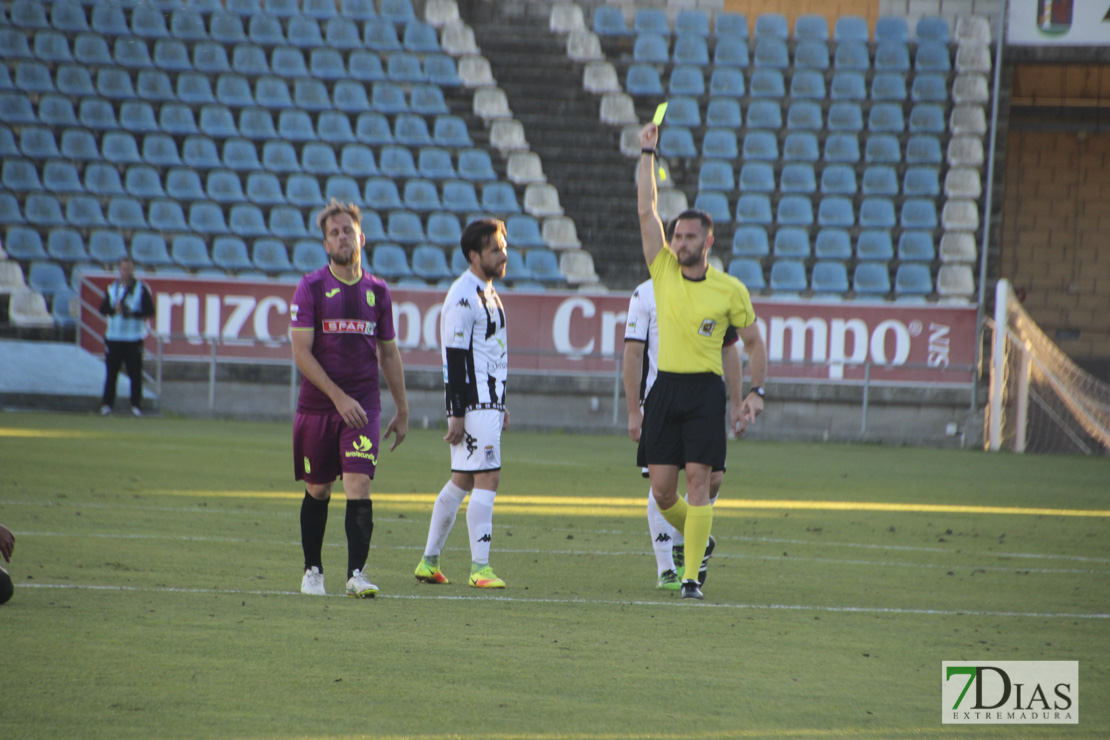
[(348, 320)]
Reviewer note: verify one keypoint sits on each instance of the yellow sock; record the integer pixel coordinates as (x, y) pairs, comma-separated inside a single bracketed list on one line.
[(676, 515), (699, 523)]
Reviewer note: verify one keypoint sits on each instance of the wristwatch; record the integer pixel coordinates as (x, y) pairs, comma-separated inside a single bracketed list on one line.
[(757, 390)]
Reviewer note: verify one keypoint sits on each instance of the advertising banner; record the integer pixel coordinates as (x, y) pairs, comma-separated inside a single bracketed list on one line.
[(564, 332), (1059, 23)]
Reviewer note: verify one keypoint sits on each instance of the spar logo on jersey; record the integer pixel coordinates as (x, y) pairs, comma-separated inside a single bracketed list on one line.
[(350, 326), (707, 327)]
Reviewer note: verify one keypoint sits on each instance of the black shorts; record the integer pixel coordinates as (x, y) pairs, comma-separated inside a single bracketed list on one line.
[(684, 421)]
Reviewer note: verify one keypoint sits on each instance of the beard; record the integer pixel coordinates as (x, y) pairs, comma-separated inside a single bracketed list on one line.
[(342, 259), (690, 259), (494, 273)]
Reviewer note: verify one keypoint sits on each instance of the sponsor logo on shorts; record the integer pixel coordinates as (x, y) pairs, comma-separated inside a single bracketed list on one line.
[(491, 454), (707, 327), (307, 465), (350, 326), (363, 448), (471, 444)]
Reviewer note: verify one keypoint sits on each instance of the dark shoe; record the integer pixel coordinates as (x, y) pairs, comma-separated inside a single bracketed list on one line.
[(690, 590), (703, 571)]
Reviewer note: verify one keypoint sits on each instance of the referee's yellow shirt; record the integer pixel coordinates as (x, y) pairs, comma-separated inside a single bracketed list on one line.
[(693, 315)]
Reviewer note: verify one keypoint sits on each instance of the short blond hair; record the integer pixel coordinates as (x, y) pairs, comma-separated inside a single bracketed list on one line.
[(335, 207)]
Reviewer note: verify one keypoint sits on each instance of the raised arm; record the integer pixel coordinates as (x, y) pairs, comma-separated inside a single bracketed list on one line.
[(651, 226)]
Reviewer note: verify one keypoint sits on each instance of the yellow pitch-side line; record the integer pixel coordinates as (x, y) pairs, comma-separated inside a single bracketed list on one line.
[(624, 505)]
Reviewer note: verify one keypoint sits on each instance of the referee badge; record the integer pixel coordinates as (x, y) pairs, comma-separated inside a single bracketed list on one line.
[(707, 327)]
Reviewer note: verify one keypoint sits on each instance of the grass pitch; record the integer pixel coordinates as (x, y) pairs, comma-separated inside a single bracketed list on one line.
[(157, 569)]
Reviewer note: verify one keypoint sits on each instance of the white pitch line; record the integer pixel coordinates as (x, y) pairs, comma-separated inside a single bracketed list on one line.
[(600, 602)]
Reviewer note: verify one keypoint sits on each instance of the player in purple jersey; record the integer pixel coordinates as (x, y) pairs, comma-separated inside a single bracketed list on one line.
[(342, 330)]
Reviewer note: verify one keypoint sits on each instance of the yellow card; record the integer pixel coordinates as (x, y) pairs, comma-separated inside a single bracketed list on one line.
[(659, 113)]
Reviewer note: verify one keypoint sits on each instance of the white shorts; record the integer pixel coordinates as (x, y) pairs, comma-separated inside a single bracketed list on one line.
[(480, 450)]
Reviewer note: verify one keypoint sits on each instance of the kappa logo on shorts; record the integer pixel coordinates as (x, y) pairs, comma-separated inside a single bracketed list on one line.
[(490, 454), (707, 327), (363, 447), (471, 444)]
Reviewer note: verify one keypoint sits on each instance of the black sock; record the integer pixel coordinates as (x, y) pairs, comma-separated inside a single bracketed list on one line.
[(360, 525), (314, 519)]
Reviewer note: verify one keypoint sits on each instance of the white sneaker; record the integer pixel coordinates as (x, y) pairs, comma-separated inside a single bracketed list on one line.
[(136, 411), (313, 582), (105, 410), (359, 587)]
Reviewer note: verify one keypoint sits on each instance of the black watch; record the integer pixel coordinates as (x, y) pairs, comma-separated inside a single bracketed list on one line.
[(757, 390)]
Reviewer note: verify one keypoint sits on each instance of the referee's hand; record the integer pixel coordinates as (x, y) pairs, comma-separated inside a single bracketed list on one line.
[(649, 136)]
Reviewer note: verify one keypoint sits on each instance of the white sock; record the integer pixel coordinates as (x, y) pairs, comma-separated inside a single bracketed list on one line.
[(443, 517), (662, 536), (479, 523)]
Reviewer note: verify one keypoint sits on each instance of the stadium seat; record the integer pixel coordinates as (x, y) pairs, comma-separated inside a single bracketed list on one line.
[(851, 28), (143, 181), (420, 38), (764, 114), (334, 127), (357, 160), (444, 229), (342, 188), (149, 250), (760, 145), (187, 24), (543, 265), (9, 210), (224, 186), (829, 276), (241, 155), (230, 253), (677, 141), (714, 203), (382, 193), (303, 190), (154, 85), (250, 60), (651, 20), (847, 86), (403, 67), (405, 227), (788, 276), (341, 33), (731, 51), (842, 148), (916, 246), (791, 243), (650, 48), (37, 142), (50, 46), (833, 244), (309, 255), (720, 143), (748, 271), (750, 241), (874, 244), (851, 56), (800, 146), (56, 111), (183, 184), (929, 88), (886, 118), (206, 217), (921, 180), (877, 212), (892, 57), (691, 49), (693, 21), (932, 56), (428, 100), (106, 247), (918, 213), (264, 189), (199, 152), (435, 163), (459, 196), (411, 130), (811, 54), (33, 78), (24, 244), (119, 147), (194, 88), (234, 91), (913, 279), (160, 150), (91, 49), (171, 55), (794, 210), (524, 231), (686, 80), (440, 69), (68, 16), (295, 125), (475, 164), (304, 32), (272, 92), (84, 212), (318, 158), (845, 116), (138, 116), (390, 262), (871, 279), (798, 177), (888, 86), (683, 110), (451, 131), (767, 83), (190, 252), (838, 179), (421, 195), (835, 210), (753, 208), (892, 28), (280, 157), (882, 149), (372, 227), (167, 215), (97, 114), (726, 82), (63, 307), (499, 198), (723, 113), (257, 123), (715, 175), (807, 83), (381, 35), (210, 57), (61, 177), (608, 20), (757, 177), (46, 278), (430, 263), (880, 179)]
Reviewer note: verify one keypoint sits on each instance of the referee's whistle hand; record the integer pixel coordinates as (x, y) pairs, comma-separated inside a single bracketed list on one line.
[(649, 135)]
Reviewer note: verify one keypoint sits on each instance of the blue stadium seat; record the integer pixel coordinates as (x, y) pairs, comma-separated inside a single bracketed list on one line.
[(726, 23), (851, 56), (397, 11), (206, 217), (126, 213), (444, 229), (428, 100), (792, 243), (808, 83), (720, 143), (246, 219), (883, 149), (499, 198), (194, 88), (690, 20), (149, 250), (84, 212), (760, 145), (283, 8), (731, 51), (923, 149), (9, 210), (829, 276), (430, 263), (927, 118), (149, 22), (687, 80), (767, 83), (342, 33), (61, 177), (847, 86), (343, 188), (37, 142), (280, 156), (797, 178), (921, 180), (877, 212), (287, 222), (33, 78), (812, 54), (210, 57), (257, 123), (691, 49), (842, 148), (651, 20), (450, 131), (46, 278), (677, 141), (405, 227), (68, 16), (183, 184), (288, 62), (832, 244), (103, 180), (138, 116), (15, 108), (230, 253), (198, 152), (155, 85), (227, 28), (160, 150), (241, 155), (411, 130), (187, 24), (892, 56), (723, 113), (224, 186), (916, 246), (108, 19), (349, 96), (929, 88), (272, 92), (543, 265), (420, 38), (421, 195), (318, 158), (143, 181), (264, 188), (753, 208), (50, 46), (389, 261), (851, 28), (794, 210), (750, 241), (114, 83), (380, 35), (888, 86), (800, 146), (106, 247), (748, 271), (886, 118), (765, 114), (382, 194), (320, 10), (295, 125), (892, 28), (524, 231), (715, 203), (440, 69), (357, 160), (63, 306), (836, 211), (303, 190), (918, 213), (880, 179), (435, 163), (913, 279), (609, 20), (166, 215), (871, 279), (715, 174), (309, 255), (683, 110), (404, 67), (304, 32), (271, 256), (245, 7), (838, 179), (8, 147), (772, 25), (874, 244), (388, 97), (932, 28), (650, 48), (932, 56), (22, 243), (475, 164), (233, 90), (459, 196), (788, 276), (804, 115), (56, 111), (172, 56), (727, 82), (119, 147), (190, 252), (756, 177), (334, 127), (845, 116), (250, 60), (811, 26)]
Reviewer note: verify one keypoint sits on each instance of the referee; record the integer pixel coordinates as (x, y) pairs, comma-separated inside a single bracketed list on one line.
[(684, 412)]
